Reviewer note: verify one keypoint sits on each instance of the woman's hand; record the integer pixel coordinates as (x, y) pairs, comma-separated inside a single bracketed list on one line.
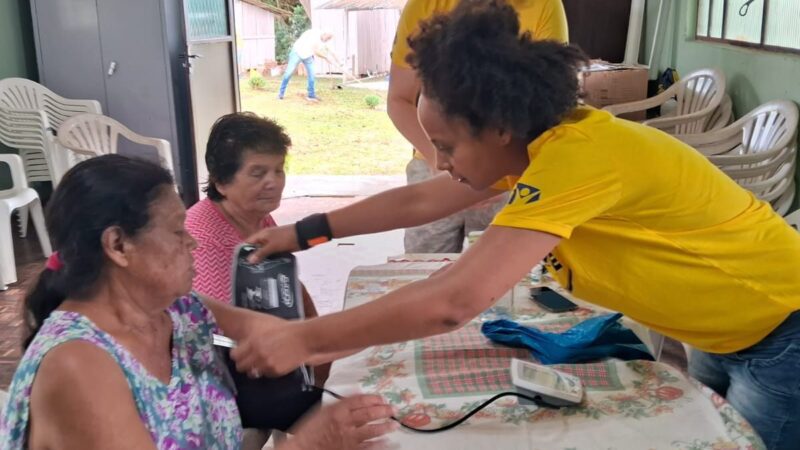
[(345, 425), (273, 240), (271, 346)]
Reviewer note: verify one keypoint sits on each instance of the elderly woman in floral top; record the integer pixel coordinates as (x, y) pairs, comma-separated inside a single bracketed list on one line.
[(112, 359)]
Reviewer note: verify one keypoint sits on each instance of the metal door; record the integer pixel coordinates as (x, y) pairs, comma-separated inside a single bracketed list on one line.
[(210, 64)]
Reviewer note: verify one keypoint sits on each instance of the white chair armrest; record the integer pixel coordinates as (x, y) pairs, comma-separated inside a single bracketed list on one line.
[(794, 219), (71, 105), (672, 121), (640, 105), (35, 115), (18, 180), (162, 147), (82, 106)]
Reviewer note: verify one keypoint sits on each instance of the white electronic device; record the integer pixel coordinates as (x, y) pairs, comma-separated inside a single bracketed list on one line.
[(548, 385)]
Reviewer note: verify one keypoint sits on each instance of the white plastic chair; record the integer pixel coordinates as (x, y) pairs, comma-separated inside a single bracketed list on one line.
[(20, 94), (769, 127), (27, 131), (722, 115), (794, 220), (19, 196), (784, 203), (698, 96), (758, 151), (773, 187), (720, 118), (89, 135)]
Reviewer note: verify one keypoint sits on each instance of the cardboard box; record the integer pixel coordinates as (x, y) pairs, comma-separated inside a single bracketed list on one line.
[(609, 84)]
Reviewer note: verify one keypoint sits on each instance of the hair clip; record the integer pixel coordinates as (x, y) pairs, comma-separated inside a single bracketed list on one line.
[(54, 262)]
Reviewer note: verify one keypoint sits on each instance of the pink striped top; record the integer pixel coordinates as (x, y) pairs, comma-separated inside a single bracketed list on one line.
[(217, 238)]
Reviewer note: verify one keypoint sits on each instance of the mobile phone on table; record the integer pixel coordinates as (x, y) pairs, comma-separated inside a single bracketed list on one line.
[(551, 300)]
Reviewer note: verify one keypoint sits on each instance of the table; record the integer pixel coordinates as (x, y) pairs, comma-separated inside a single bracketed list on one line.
[(628, 404)]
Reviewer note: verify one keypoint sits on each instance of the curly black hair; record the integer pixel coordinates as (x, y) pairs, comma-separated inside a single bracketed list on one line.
[(475, 63), (230, 137)]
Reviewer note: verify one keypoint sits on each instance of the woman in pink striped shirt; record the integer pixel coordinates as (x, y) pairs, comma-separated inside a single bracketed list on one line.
[(245, 158)]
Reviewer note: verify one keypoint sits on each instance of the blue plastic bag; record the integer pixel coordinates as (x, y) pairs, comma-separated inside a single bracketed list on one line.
[(593, 339)]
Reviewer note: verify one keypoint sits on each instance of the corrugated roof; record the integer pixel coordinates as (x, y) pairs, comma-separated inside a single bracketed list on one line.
[(361, 5)]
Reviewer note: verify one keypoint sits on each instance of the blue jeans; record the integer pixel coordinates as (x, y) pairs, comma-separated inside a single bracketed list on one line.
[(291, 66), (762, 382)]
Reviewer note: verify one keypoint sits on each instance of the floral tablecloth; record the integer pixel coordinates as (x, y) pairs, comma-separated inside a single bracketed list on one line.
[(628, 405)]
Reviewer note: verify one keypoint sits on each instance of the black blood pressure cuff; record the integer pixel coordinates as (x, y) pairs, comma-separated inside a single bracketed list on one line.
[(271, 287)]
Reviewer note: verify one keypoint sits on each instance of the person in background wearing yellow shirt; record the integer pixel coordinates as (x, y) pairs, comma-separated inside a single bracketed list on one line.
[(545, 20), (635, 220)]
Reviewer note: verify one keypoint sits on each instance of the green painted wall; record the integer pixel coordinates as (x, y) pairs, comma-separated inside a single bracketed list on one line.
[(754, 76), (17, 52)]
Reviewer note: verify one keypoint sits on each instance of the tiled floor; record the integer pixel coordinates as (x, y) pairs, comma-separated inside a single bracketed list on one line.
[(30, 261)]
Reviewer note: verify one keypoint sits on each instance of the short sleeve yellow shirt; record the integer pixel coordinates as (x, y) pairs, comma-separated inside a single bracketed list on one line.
[(652, 229), (545, 19)]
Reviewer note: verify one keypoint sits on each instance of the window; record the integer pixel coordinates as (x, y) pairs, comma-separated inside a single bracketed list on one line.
[(207, 19), (769, 24)]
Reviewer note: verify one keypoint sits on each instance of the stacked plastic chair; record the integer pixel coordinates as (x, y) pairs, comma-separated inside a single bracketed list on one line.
[(47, 163), (700, 106), (19, 196), (29, 132), (759, 151), (722, 115), (793, 220)]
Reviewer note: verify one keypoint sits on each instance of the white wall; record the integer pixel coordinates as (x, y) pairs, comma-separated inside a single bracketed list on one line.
[(376, 30), (256, 28), (371, 34)]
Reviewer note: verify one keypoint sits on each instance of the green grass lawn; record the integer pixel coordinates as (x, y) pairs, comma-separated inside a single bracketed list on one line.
[(340, 135)]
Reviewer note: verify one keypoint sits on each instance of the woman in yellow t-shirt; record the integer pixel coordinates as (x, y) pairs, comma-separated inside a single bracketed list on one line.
[(633, 219), (546, 20)]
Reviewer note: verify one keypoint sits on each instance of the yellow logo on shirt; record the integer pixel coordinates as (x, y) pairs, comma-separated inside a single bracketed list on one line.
[(525, 193)]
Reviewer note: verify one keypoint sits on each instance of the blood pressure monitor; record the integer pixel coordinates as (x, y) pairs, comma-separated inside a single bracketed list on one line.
[(554, 388)]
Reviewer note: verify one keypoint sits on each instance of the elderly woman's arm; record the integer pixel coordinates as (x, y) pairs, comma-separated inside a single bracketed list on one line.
[(81, 400), (343, 425), (236, 323), (231, 318)]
